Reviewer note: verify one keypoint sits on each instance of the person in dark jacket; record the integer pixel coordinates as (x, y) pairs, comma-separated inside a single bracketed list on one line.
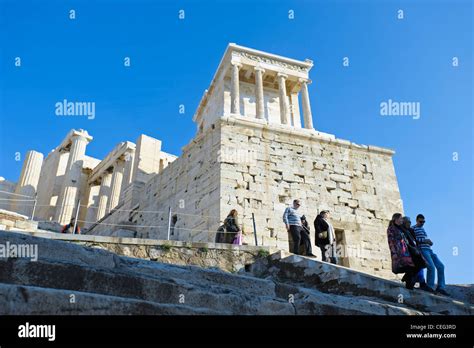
[(70, 227), (325, 238), (306, 239), (402, 261), (410, 232), (231, 226)]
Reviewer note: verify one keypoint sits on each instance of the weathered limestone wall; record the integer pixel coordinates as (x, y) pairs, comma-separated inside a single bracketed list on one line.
[(259, 168), (8, 187), (206, 255), (226, 257), (356, 183), (144, 163), (147, 161), (189, 185), (215, 105)]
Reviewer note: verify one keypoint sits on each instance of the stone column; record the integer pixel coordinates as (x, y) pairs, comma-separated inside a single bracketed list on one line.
[(116, 185), (284, 107), (308, 117), (128, 173), (260, 106), (67, 200), (235, 91), (92, 205), (104, 194), (28, 183)]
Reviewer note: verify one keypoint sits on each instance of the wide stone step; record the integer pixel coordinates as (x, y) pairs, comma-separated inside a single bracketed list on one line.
[(71, 277), (335, 279), (75, 269), (60, 251), (31, 300), (313, 302), (83, 280)]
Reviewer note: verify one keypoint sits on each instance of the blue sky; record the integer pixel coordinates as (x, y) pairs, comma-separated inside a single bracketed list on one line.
[(173, 61)]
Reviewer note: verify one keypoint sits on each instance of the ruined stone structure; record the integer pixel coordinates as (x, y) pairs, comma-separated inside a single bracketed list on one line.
[(52, 189), (255, 150)]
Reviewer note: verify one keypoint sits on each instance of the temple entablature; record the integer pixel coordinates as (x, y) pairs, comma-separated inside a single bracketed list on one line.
[(258, 85)]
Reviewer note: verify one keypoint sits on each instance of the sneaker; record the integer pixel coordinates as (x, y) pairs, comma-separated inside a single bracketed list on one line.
[(442, 292), (425, 287)]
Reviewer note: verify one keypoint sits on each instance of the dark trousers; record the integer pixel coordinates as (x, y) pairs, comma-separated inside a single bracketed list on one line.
[(300, 237), (328, 250)]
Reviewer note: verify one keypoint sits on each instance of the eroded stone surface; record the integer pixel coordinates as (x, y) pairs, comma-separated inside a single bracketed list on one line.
[(108, 283)]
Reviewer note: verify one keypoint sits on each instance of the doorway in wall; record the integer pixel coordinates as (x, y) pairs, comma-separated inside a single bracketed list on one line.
[(341, 243)]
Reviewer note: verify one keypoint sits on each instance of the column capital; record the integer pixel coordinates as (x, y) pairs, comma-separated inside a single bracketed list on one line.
[(237, 64), (81, 134), (259, 68), (304, 81), (119, 161), (281, 75)]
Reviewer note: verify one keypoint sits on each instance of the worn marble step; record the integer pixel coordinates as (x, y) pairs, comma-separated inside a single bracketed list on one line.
[(77, 269), (87, 280), (32, 300), (146, 287), (61, 251), (334, 279)]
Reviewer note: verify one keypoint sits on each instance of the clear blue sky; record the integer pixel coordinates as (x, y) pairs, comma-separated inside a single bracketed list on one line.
[(174, 60)]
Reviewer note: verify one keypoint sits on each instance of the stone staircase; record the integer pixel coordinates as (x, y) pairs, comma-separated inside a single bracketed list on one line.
[(72, 279), (306, 273)]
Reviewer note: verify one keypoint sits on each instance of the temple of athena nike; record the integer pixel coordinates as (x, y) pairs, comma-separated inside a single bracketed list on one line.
[(257, 147)]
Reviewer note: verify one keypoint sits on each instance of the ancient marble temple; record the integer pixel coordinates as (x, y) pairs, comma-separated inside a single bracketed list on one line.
[(255, 150), (68, 183)]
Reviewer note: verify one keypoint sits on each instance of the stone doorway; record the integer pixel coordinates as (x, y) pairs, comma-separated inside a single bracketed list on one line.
[(341, 243)]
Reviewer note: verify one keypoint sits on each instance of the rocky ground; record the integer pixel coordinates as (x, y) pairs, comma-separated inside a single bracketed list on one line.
[(72, 279)]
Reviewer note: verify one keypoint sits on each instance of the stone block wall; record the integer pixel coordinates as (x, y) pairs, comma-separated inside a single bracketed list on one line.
[(7, 189), (239, 163), (274, 165), (190, 187)]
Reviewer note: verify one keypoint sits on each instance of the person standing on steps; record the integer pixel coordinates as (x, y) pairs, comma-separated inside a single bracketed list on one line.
[(325, 237), (292, 220), (434, 263), (307, 240), (410, 233), (415, 276), (231, 225), (402, 261), (70, 227)]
